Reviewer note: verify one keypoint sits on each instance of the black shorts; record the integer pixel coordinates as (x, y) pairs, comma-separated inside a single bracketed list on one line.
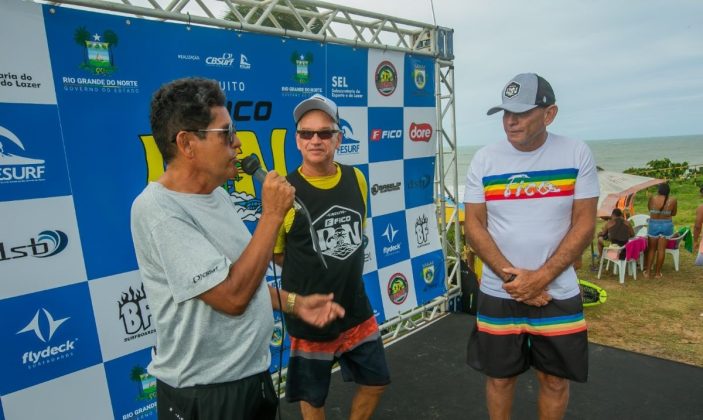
[(508, 337), (252, 397), (361, 357)]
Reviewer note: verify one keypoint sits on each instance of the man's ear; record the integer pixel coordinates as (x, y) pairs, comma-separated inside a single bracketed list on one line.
[(550, 114), (183, 144)]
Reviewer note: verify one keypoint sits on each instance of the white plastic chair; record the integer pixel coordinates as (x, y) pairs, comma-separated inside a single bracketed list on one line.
[(672, 247), (612, 254), (639, 224)]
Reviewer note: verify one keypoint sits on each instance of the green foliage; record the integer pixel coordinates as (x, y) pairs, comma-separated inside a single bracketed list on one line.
[(666, 169)]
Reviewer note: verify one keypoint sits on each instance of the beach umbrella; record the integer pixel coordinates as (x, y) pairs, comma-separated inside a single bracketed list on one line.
[(616, 185)]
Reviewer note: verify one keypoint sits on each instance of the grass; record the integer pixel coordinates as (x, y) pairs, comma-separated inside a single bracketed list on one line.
[(657, 317)]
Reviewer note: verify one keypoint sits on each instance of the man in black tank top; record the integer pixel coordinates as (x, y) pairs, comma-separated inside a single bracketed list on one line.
[(335, 198)]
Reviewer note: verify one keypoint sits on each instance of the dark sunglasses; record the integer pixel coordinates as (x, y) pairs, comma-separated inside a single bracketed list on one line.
[(322, 134), (230, 131)]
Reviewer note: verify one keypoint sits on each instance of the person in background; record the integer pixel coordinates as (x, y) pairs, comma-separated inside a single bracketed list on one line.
[(662, 207), (203, 272), (335, 196), (698, 224), (617, 230), (530, 212)]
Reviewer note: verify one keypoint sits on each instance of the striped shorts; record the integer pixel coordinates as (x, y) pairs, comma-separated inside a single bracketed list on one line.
[(509, 336)]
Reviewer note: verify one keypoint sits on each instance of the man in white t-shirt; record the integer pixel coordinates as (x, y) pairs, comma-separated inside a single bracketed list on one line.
[(530, 212)]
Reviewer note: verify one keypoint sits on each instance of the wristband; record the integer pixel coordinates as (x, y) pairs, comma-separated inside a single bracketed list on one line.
[(290, 303), (510, 278)]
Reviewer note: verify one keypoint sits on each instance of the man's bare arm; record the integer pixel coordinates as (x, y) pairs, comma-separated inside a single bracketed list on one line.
[(480, 241)]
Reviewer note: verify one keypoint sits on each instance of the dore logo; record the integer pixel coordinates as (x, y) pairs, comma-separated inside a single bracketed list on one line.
[(420, 132), (14, 168), (99, 58), (398, 288), (386, 78), (46, 244)]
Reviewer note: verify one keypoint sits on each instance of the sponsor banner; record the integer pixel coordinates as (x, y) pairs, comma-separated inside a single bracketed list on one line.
[(32, 158), (369, 248), (386, 187), (419, 181), (373, 292), (354, 149), (49, 334), (423, 234), (385, 134), (122, 314), (365, 171), (303, 63), (280, 344), (40, 248), (419, 81), (2, 414), (347, 77), (25, 76), (132, 388), (385, 78), (397, 288), (428, 275), (79, 395), (391, 241), (419, 135)]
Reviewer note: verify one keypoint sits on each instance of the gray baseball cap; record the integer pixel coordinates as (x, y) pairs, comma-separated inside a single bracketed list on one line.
[(525, 92), (314, 102)]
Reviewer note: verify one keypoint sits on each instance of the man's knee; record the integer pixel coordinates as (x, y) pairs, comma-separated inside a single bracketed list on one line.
[(502, 383), (372, 390), (552, 383)]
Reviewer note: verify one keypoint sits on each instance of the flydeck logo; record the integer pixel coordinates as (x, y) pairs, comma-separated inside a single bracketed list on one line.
[(48, 243), (15, 168), (44, 330), (390, 234)]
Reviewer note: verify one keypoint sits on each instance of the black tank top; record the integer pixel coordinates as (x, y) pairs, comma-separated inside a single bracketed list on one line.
[(337, 215)]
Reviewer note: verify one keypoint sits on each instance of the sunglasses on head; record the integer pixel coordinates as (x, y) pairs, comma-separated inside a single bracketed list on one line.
[(322, 134), (230, 132)]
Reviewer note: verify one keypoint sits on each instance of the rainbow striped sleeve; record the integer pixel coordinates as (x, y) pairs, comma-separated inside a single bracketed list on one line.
[(526, 185), (552, 326)]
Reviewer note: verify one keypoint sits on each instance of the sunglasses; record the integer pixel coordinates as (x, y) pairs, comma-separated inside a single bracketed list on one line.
[(230, 131), (322, 134)]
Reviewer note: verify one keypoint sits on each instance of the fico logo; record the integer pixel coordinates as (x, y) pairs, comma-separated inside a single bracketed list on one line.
[(420, 132), (49, 353), (46, 244), (379, 134)]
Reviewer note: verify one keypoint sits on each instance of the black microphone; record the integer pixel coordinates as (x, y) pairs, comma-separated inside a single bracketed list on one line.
[(252, 166)]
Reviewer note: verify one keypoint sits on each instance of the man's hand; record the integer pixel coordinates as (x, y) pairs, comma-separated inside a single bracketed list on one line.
[(317, 310), (541, 300), (277, 195), (527, 285)]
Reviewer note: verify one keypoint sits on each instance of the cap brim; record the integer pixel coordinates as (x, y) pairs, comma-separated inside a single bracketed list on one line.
[(514, 108)]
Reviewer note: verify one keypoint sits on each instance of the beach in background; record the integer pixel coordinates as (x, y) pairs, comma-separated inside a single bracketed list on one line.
[(619, 154)]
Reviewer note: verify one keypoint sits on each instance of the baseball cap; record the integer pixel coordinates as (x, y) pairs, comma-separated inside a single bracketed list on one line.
[(318, 102), (525, 92)]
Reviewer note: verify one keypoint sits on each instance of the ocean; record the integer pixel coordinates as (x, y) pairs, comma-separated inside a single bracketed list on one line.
[(620, 154)]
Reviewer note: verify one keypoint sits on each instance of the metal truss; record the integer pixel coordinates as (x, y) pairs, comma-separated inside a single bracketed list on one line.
[(327, 22)]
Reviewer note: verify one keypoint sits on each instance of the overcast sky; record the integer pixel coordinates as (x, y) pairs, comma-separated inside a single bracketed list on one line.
[(620, 69)]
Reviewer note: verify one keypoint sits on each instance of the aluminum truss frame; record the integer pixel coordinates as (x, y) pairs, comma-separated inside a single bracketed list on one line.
[(327, 22)]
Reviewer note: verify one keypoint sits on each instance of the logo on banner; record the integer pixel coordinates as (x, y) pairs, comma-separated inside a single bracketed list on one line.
[(302, 63), (15, 168), (419, 76), (378, 134), (390, 234), (386, 78), (422, 182), (248, 207), (384, 188), (428, 272), (133, 308), (420, 132), (367, 253), (398, 288), (47, 244), (350, 145), (339, 232), (244, 62), (44, 330), (225, 60), (277, 334), (146, 384), (99, 58), (422, 231)]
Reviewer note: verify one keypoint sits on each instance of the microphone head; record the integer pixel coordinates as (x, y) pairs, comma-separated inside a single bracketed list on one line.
[(250, 164)]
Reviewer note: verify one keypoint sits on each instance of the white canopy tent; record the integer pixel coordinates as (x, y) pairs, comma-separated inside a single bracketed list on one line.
[(616, 185)]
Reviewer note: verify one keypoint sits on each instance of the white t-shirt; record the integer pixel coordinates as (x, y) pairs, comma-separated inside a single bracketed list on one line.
[(529, 198), (185, 244)]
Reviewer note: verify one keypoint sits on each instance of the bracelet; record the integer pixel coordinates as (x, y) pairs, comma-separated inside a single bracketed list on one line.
[(290, 303), (511, 278)]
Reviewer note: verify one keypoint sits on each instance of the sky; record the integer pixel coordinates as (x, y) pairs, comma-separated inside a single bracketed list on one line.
[(619, 69)]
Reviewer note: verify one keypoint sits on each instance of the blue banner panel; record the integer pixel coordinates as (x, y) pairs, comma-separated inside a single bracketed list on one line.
[(419, 181), (419, 81), (132, 389), (32, 159), (385, 134), (348, 80), (49, 334), (391, 238), (428, 275), (373, 291)]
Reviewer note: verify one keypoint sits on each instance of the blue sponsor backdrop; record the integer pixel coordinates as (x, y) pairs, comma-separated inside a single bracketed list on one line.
[(95, 145)]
